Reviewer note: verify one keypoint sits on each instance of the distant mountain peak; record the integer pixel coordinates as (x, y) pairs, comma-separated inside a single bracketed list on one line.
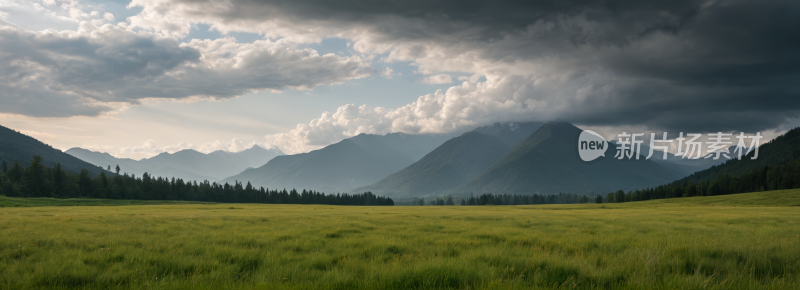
[(558, 123), (79, 149), (356, 161), (454, 162), (187, 151), (399, 134), (510, 132), (545, 163), (501, 126), (255, 147), (187, 164)]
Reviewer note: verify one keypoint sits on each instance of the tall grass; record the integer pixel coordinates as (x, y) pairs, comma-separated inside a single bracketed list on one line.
[(642, 245), (46, 201)]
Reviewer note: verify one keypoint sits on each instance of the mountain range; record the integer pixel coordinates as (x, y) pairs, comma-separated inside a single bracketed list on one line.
[(513, 158), (547, 162), (185, 164), (456, 161), (340, 167)]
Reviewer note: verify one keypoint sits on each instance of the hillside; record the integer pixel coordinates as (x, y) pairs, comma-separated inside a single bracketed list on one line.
[(685, 166), (104, 159), (210, 165), (510, 133), (15, 146), (456, 161), (788, 197), (778, 151), (547, 162), (413, 146), (340, 167), (777, 167)]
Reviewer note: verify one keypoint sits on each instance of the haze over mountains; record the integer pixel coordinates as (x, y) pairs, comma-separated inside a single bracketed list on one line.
[(185, 164), (778, 151), (456, 161), (547, 162), (340, 167), (518, 158), (686, 166), (513, 158)]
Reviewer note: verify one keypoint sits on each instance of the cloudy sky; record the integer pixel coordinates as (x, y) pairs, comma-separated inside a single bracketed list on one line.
[(136, 78)]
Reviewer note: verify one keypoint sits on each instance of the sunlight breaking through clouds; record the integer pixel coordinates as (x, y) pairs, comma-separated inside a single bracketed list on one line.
[(587, 63)]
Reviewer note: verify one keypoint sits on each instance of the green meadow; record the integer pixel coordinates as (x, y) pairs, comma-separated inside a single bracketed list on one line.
[(742, 241)]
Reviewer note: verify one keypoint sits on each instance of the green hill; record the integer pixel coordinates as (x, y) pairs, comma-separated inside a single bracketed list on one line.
[(778, 151), (787, 197), (15, 146), (777, 167)]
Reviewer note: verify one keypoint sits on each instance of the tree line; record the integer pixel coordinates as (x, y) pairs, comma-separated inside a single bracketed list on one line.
[(502, 199), (777, 167), (786, 176), (778, 177), (38, 180)]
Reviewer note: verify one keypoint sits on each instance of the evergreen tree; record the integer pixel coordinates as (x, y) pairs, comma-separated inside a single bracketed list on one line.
[(100, 186), (35, 177), (15, 173), (58, 181), (84, 183)]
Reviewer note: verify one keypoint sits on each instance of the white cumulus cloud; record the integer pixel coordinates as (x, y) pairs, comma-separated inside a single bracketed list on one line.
[(587, 63), (98, 68), (438, 79)]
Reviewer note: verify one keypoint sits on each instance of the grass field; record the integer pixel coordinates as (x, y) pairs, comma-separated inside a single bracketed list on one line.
[(745, 241), (42, 201)]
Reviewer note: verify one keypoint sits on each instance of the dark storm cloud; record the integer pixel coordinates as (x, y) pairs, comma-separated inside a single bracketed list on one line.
[(694, 108), (492, 17), (674, 65)]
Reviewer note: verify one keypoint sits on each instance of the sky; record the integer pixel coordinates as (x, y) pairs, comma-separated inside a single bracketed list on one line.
[(137, 78)]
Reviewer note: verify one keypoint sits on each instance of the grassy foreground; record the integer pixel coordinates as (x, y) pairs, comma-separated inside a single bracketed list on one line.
[(45, 201), (744, 241)]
